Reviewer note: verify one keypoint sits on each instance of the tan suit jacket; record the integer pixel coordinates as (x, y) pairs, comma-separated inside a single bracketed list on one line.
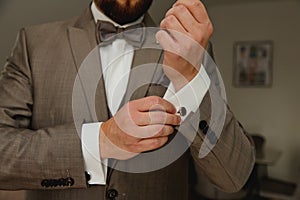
[(38, 140)]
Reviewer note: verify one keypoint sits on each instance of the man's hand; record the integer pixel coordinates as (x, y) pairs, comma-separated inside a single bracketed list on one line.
[(188, 32), (140, 125)]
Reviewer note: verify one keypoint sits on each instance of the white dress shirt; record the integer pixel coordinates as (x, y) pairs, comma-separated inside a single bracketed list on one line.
[(116, 60)]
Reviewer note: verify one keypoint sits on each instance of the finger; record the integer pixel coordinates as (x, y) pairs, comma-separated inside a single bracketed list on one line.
[(151, 144), (171, 22), (196, 8), (154, 103), (167, 42), (165, 131), (157, 117), (184, 18), (151, 131)]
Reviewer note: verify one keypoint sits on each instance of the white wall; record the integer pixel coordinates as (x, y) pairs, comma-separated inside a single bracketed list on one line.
[(273, 112)]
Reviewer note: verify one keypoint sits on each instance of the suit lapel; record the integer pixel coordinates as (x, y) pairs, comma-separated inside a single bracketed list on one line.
[(82, 37), (83, 41)]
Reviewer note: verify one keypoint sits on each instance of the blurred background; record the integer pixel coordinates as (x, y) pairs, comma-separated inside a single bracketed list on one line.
[(270, 112)]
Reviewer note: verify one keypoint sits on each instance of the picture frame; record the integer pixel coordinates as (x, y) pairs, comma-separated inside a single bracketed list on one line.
[(253, 64)]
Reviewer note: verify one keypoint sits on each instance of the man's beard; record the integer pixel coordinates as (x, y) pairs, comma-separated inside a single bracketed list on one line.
[(123, 14)]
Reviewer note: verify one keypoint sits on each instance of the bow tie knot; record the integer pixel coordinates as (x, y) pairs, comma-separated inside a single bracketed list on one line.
[(107, 33)]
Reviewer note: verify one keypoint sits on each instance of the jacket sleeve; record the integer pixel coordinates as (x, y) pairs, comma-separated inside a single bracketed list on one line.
[(33, 159), (228, 159), (229, 154)]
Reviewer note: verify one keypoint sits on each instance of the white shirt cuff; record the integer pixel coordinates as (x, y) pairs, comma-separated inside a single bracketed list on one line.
[(91, 154), (191, 95)]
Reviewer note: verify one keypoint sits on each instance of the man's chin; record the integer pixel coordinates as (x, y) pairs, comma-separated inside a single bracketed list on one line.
[(123, 13)]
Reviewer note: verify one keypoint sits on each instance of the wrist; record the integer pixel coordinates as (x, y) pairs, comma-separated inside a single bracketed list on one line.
[(103, 140), (183, 79)]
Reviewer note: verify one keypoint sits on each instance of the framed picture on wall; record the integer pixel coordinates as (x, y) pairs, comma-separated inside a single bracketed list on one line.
[(253, 64)]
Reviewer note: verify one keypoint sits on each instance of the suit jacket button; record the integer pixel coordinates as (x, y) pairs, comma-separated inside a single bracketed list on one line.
[(111, 194), (203, 126), (51, 182), (61, 182), (206, 129), (55, 183), (45, 183), (70, 181)]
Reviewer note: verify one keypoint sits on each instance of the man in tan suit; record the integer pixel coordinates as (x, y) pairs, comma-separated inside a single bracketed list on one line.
[(40, 148)]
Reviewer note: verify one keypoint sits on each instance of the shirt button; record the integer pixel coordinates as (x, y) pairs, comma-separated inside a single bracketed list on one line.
[(111, 194), (202, 124)]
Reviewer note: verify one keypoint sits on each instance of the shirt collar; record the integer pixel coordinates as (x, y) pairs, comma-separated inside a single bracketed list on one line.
[(98, 15)]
